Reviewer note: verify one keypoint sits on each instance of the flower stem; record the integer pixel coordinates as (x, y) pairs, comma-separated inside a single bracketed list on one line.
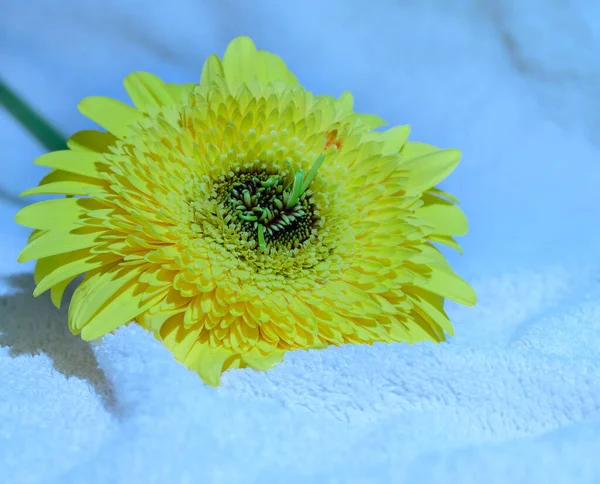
[(40, 128)]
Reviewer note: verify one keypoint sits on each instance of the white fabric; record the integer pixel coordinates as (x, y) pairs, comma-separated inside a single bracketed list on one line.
[(514, 397)]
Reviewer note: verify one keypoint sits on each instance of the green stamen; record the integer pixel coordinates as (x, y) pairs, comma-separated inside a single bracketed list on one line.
[(294, 195), (247, 198), (263, 216), (301, 184), (271, 208), (272, 179), (261, 236), (313, 171)]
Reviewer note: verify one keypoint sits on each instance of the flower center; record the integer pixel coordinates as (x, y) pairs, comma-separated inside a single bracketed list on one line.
[(270, 209)]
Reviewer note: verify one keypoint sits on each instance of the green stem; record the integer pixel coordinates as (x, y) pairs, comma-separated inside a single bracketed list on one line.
[(40, 128)]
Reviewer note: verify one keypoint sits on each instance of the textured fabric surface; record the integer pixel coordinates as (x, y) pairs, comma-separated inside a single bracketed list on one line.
[(514, 397)]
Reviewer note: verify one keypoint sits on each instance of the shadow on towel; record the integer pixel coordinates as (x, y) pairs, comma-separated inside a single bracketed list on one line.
[(30, 326)]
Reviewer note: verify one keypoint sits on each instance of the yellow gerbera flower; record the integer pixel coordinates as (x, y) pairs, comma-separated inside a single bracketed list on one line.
[(243, 216)]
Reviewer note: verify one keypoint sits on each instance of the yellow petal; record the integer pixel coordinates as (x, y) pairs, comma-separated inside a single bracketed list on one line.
[(447, 241), (158, 276), (90, 140), (122, 308), (260, 361), (180, 91), (208, 362), (178, 337), (346, 101), (371, 120), (399, 331), (73, 265), (240, 61), (51, 214), (154, 320), (57, 242), (96, 290), (429, 311), (193, 312), (272, 68), (447, 218), (212, 69), (35, 234), (78, 162), (428, 254), (54, 176), (445, 283), (441, 193), (64, 188), (394, 139), (422, 329), (146, 89), (111, 114), (65, 183), (46, 265), (56, 293), (428, 170), (416, 149)]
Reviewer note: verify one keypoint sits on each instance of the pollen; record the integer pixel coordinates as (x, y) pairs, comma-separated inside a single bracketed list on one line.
[(248, 200)]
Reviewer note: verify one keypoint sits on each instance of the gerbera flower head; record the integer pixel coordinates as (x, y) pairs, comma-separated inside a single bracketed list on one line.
[(243, 217)]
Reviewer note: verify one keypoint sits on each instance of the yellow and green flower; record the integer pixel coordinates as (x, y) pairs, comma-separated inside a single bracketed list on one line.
[(243, 217)]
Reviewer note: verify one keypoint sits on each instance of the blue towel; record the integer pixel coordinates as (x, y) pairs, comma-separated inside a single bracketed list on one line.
[(513, 398)]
